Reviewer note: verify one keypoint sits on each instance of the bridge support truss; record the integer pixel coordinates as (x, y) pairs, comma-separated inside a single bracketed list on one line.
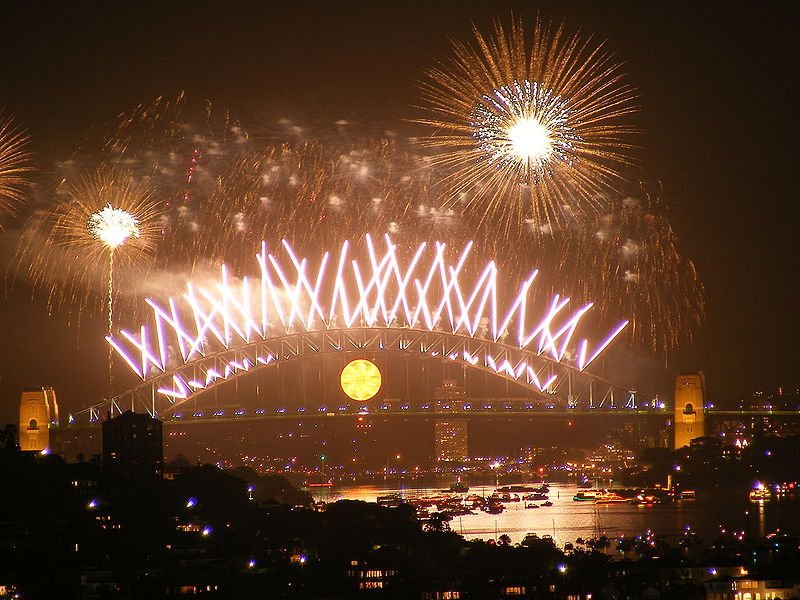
[(165, 392)]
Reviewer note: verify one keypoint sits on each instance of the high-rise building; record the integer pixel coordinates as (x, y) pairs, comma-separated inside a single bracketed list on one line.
[(38, 410), (690, 392), (132, 445), (450, 440), (449, 390)]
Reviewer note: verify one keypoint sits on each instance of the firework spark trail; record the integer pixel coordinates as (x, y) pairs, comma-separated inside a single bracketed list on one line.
[(181, 148), (379, 293), (112, 227), (637, 270), (103, 227), (546, 110), (15, 165), (312, 192), (169, 152), (219, 194)]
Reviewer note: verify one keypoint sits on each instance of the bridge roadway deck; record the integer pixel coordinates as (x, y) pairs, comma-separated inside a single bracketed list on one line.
[(230, 415), (499, 414)]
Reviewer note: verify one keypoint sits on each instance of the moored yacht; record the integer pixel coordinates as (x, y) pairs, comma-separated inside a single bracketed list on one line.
[(586, 495)]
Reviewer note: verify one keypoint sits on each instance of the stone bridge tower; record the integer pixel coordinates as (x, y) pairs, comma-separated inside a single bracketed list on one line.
[(37, 411), (690, 392)]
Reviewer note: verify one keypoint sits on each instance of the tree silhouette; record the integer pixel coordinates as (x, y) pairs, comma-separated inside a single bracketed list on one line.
[(8, 439), (438, 522)]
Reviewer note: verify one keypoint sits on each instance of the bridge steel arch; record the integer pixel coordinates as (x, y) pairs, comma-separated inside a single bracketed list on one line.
[(574, 389), (379, 298)]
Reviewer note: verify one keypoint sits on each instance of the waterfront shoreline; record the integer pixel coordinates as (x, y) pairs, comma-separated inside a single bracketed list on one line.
[(568, 520)]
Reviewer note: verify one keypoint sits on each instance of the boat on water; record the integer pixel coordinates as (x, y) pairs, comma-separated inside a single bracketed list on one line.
[(390, 500), (646, 499), (521, 489), (609, 498), (493, 508), (760, 493), (435, 500), (504, 497), (531, 505), (586, 495), (313, 484), (548, 503), (474, 501), (459, 512), (535, 496), (459, 487)]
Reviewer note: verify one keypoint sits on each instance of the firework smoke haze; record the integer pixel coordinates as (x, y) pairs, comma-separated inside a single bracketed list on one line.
[(177, 146), (627, 259), (528, 125), (220, 192), (313, 192)]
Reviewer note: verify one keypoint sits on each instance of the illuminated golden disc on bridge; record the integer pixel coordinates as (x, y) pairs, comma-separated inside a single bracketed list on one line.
[(360, 379)]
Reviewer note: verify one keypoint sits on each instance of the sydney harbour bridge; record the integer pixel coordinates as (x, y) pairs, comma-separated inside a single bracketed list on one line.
[(441, 334), (425, 313)]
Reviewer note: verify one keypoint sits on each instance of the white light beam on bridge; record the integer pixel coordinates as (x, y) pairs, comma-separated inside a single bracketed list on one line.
[(426, 292)]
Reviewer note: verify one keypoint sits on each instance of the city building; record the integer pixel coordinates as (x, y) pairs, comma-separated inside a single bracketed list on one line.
[(449, 391), (690, 393), (132, 445), (38, 410), (450, 440), (749, 588), (77, 444)]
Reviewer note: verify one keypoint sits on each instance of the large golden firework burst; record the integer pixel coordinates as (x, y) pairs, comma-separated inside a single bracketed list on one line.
[(14, 165), (530, 126)]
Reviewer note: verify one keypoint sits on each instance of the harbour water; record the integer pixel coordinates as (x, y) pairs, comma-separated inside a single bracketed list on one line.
[(568, 520)]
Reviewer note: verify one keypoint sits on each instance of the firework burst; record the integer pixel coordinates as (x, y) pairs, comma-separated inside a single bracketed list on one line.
[(113, 226), (628, 259), (312, 192), (218, 199), (181, 148), (103, 227), (530, 128), (14, 165), (170, 149)]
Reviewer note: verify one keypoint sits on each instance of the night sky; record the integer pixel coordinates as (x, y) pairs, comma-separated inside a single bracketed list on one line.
[(716, 85)]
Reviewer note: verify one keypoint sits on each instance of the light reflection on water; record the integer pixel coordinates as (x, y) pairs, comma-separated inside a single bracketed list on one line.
[(567, 520)]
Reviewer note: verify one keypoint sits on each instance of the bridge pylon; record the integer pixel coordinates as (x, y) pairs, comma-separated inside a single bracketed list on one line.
[(38, 411), (690, 393)]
